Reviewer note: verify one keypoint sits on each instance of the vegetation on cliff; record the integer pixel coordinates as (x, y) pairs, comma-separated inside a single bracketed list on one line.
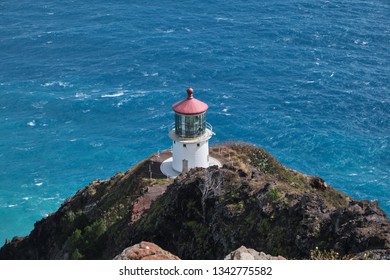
[(253, 200)]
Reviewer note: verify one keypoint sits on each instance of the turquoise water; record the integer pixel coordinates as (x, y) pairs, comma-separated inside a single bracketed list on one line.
[(86, 89)]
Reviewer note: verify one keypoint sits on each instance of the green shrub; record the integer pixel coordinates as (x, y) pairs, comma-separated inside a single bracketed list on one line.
[(317, 254), (76, 255), (89, 242), (273, 194)]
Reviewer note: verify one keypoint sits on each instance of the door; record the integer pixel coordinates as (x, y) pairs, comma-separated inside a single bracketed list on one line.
[(185, 165)]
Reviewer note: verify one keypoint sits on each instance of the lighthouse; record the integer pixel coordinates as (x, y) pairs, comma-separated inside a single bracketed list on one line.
[(190, 135)]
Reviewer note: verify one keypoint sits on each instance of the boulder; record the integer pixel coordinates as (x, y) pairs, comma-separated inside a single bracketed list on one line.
[(145, 251), (244, 253)]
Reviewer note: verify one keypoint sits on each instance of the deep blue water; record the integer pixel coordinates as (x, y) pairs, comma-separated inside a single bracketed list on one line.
[(86, 89)]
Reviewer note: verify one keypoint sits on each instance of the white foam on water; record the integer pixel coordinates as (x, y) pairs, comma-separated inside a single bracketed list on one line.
[(80, 95), (165, 31), (146, 74), (223, 19), (49, 198), (38, 182), (57, 83), (39, 105), (119, 93), (123, 101), (31, 123), (96, 144)]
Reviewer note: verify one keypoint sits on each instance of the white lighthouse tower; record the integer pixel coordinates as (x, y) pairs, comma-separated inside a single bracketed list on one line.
[(190, 135)]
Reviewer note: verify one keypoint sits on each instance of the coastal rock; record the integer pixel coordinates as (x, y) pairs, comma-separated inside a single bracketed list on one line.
[(373, 255), (244, 253), (145, 251)]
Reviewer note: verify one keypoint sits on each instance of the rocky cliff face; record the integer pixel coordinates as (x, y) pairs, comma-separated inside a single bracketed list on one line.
[(253, 200)]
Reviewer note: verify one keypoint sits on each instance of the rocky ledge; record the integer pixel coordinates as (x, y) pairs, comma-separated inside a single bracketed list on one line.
[(252, 201)]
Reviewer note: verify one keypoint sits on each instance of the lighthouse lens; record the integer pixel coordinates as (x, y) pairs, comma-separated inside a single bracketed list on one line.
[(190, 126)]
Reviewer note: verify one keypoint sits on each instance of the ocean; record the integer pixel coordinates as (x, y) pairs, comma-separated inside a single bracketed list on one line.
[(86, 89)]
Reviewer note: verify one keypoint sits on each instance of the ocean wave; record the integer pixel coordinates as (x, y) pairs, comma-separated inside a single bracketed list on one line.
[(38, 182), (57, 83), (119, 93), (130, 97), (218, 19), (165, 31), (49, 198), (32, 123), (96, 144), (39, 105), (146, 74), (80, 95), (360, 42), (153, 115), (123, 101)]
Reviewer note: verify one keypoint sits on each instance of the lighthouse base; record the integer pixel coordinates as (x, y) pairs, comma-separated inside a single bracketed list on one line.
[(167, 168)]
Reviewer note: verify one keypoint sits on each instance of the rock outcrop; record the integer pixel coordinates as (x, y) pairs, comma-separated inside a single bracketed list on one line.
[(253, 201), (244, 253), (145, 251)]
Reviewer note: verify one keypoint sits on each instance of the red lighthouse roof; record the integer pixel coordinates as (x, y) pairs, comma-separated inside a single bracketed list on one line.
[(190, 105)]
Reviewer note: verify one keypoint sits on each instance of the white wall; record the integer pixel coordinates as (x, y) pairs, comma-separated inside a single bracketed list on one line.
[(196, 156)]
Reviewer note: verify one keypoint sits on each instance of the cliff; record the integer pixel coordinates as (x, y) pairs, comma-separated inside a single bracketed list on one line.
[(252, 201)]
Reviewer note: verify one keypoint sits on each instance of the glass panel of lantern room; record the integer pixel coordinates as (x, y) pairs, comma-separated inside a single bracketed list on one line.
[(179, 124), (190, 126), (202, 123)]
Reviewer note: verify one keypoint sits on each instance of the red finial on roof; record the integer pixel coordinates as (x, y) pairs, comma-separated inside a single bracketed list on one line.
[(190, 92), (190, 105)]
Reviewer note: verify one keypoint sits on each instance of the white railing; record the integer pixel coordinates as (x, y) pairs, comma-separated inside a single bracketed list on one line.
[(209, 126), (171, 127)]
